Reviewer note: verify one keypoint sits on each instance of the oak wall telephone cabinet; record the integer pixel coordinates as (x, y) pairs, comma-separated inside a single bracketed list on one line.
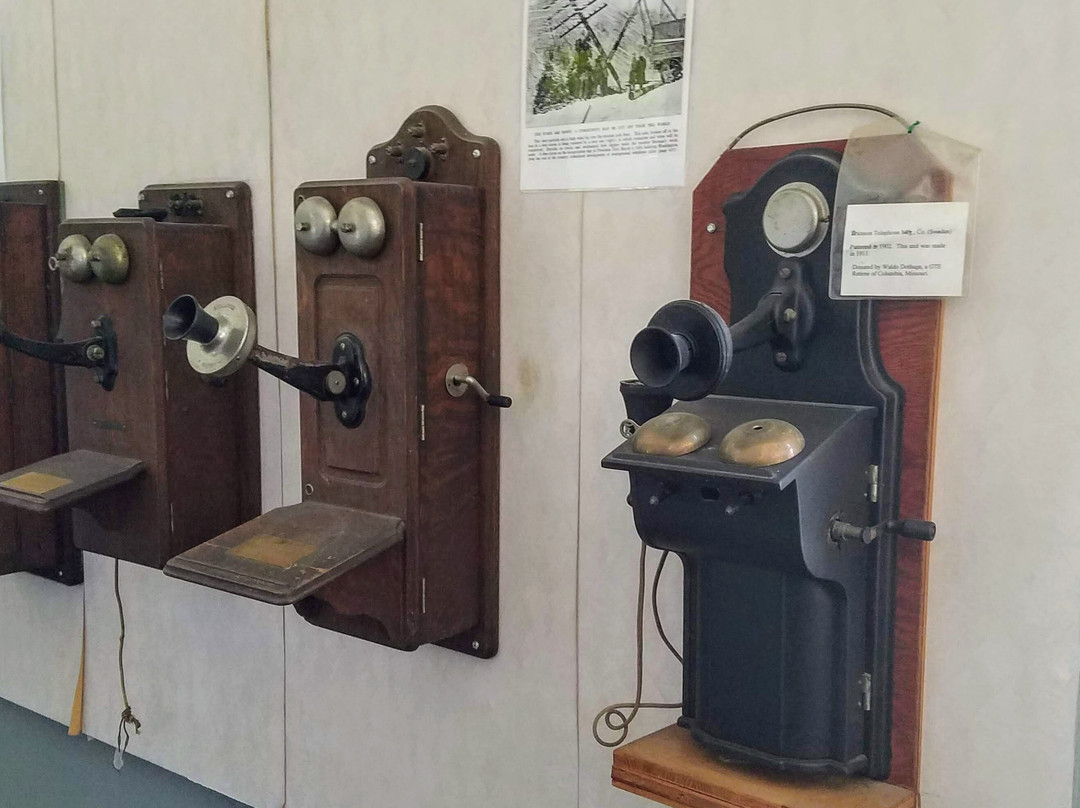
[(397, 281), (142, 431)]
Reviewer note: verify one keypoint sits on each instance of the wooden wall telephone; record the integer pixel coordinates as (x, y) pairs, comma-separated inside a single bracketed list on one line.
[(396, 540), (32, 420), (140, 429)]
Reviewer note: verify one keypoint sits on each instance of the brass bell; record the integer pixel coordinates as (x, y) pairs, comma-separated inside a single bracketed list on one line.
[(109, 258), (671, 434), (760, 443), (72, 259)]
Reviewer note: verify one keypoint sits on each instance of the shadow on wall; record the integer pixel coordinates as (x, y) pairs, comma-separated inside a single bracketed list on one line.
[(41, 767)]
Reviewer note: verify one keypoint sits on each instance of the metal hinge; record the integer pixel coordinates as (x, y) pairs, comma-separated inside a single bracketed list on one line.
[(866, 684), (421, 244), (423, 595), (872, 473), (423, 422)]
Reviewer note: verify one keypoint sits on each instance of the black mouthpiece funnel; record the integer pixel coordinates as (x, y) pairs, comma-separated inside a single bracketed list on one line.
[(185, 319), (658, 356), (685, 351)]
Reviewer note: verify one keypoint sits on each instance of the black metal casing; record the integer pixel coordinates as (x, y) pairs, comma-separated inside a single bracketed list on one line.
[(787, 634)]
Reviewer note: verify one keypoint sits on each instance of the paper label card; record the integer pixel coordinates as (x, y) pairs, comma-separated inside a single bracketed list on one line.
[(911, 249), (273, 550), (35, 482)]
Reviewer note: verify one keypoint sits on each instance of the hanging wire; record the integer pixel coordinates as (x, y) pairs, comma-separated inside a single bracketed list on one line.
[(127, 717), (819, 108), (614, 716), (656, 609)]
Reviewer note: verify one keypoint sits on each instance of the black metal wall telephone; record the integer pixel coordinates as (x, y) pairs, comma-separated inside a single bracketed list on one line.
[(761, 477)]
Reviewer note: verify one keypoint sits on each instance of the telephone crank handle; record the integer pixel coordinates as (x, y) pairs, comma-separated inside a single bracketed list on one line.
[(918, 529), (504, 402), (458, 380)]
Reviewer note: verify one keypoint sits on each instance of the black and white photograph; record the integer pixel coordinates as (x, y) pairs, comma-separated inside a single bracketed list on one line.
[(605, 60)]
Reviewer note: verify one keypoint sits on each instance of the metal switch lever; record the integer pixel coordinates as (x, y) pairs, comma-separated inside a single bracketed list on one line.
[(908, 528), (458, 380)]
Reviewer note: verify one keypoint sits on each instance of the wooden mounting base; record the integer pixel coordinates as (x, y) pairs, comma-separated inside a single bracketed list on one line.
[(670, 768)]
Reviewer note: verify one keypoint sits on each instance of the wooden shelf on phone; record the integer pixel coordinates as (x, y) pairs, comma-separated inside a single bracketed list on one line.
[(670, 768)]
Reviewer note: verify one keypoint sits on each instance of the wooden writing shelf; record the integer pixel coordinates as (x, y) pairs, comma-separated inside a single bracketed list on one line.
[(669, 768)]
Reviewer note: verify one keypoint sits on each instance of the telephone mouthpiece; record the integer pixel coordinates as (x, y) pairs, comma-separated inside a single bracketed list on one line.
[(219, 337)]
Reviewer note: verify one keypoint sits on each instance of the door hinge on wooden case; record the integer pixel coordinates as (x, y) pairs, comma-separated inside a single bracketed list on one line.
[(866, 683), (420, 243), (423, 422), (872, 473)]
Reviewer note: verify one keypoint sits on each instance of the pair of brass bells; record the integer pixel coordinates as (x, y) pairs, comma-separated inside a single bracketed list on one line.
[(757, 444), (78, 260), (360, 226)]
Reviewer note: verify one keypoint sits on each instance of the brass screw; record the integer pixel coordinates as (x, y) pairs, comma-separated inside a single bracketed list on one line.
[(95, 353), (711, 227), (780, 357), (790, 315)]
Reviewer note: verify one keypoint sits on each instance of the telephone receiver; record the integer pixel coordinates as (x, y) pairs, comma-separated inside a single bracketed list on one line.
[(221, 339), (687, 349)]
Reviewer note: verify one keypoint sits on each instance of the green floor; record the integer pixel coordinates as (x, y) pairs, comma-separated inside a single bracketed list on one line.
[(41, 767)]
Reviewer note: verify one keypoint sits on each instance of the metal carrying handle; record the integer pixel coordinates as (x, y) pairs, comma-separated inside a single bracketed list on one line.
[(98, 352), (459, 380)]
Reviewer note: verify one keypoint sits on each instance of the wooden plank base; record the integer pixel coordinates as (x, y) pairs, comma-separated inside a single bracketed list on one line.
[(669, 768)]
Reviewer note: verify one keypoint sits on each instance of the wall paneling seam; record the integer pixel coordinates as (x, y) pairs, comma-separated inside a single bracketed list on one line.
[(59, 156), (281, 436), (577, 557)]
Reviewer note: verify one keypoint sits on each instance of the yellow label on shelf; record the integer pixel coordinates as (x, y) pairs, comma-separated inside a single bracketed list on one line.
[(273, 550), (34, 482)]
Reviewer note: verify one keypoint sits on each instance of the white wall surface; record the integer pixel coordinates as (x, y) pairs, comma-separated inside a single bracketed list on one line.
[(263, 706), (41, 623)]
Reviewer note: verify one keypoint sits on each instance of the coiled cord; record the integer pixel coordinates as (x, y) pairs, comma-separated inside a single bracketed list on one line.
[(614, 716)]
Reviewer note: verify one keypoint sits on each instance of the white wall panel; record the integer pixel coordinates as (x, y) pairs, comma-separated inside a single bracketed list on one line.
[(30, 138), (41, 627), (371, 726), (156, 92)]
